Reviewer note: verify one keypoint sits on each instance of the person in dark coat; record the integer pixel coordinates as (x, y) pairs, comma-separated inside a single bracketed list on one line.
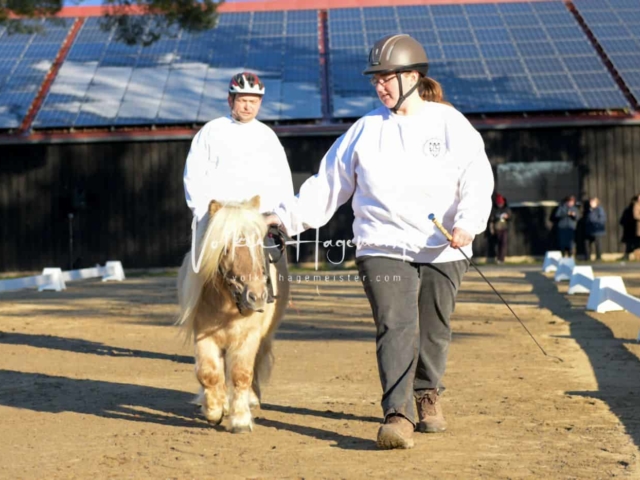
[(567, 220), (636, 218), (595, 224), (628, 224), (499, 228)]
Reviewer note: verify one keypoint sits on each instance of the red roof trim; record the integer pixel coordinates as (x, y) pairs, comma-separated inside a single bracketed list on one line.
[(169, 133), (294, 5)]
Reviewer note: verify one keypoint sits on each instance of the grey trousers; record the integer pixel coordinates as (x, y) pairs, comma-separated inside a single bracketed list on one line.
[(411, 305)]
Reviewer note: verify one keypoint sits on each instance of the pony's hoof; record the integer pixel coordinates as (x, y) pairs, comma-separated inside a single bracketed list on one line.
[(214, 418), (242, 429), (214, 423)]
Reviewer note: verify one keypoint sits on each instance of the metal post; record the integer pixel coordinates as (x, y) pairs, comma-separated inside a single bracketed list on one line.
[(70, 241)]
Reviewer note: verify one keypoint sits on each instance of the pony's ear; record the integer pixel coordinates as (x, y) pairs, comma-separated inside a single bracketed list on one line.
[(214, 206), (255, 202)]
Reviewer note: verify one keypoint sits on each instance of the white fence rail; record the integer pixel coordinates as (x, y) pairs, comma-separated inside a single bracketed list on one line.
[(55, 278), (606, 294)]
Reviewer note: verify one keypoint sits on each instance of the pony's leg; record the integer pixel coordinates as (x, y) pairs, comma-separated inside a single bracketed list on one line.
[(240, 361), (210, 374)]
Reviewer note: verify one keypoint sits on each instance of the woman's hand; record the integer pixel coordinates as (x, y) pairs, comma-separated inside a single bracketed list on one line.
[(461, 238)]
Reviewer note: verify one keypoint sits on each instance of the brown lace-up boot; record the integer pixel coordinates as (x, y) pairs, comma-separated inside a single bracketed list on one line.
[(431, 419), (397, 432)]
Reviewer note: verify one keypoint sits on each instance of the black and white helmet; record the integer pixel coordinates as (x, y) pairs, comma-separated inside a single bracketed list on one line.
[(246, 82)]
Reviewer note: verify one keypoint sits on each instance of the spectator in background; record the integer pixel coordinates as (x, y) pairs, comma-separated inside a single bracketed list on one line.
[(499, 228), (567, 219), (636, 218), (629, 228), (594, 226)]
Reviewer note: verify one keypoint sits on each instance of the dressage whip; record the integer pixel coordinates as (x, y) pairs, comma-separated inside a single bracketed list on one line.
[(446, 233)]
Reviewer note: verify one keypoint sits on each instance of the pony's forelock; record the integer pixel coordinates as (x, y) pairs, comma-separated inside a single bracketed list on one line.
[(235, 224)]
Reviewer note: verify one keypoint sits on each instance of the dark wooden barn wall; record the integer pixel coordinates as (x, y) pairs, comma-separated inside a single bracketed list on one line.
[(128, 201)]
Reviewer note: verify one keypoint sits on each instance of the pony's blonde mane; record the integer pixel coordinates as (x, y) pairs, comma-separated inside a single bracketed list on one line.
[(231, 226), (234, 225)]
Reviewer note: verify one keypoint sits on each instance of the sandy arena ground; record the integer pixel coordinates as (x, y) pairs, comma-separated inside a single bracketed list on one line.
[(95, 383)]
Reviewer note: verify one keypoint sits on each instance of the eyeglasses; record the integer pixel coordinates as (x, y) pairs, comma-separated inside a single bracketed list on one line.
[(375, 81)]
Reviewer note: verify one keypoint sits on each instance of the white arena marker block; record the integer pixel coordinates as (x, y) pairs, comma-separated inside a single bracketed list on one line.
[(581, 279), (57, 280), (565, 268), (551, 259), (114, 272), (599, 297)]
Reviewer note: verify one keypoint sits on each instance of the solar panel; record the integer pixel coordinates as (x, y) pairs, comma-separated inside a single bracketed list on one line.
[(481, 9), (144, 93), (378, 12), (182, 95), (608, 31), (626, 61), (486, 21), (460, 51), (381, 24), (424, 36), (616, 26), (519, 56), (545, 65), (345, 14), (185, 78), (492, 35), (565, 32), (498, 50), (268, 17), (25, 60), (528, 34), (302, 16), (622, 45), (505, 67), (301, 28), (515, 8), (446, 10), (549, 7), (415, 23), (456, 36), (536, 49), (413, 11), (443, 22)]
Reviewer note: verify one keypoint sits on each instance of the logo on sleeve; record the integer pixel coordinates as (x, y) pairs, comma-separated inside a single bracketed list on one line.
[(434, 148)]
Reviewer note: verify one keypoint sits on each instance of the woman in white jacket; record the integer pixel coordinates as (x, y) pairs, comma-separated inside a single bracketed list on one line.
[(413, 156)]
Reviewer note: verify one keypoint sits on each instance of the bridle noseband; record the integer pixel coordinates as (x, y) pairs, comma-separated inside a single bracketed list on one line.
[(235, 286)]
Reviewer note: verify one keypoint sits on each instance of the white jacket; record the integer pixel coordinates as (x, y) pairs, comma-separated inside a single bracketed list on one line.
[(399, 170), (231, 161)]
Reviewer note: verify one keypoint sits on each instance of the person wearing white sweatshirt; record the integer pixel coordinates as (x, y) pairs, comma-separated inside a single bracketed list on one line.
[(236, 157), (413, 156)]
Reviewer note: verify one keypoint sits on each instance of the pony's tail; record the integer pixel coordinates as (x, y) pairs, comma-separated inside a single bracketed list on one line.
[(263, 366), (265, 359)]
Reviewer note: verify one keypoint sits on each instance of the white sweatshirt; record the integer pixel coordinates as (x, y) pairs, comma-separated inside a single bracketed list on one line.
[(399, 170), (231, 161)]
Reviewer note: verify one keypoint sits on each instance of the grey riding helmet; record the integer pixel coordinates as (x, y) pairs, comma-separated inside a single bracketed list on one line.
[(396, 54)]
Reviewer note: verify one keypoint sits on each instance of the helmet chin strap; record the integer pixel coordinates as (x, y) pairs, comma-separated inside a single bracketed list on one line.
[(402, 97)]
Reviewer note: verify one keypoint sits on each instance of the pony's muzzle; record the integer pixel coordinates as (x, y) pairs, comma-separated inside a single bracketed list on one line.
[(252, 301)]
